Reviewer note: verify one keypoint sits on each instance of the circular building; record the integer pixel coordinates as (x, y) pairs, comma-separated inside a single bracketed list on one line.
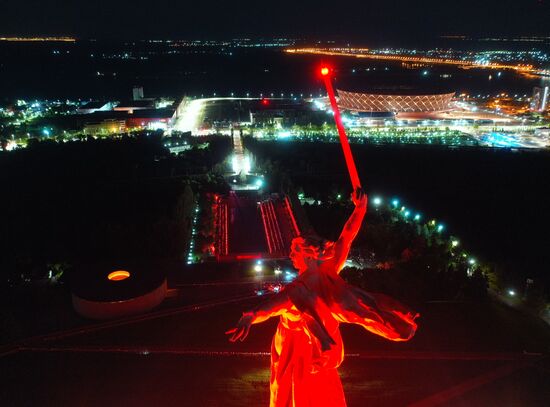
[(103, 291), (394, 101)]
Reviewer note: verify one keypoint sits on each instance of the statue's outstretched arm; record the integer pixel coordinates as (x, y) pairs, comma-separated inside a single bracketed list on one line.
[(276, 305), (351, 228), (378, 314)]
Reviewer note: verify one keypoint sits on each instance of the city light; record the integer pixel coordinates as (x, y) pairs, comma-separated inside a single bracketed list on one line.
[(455, 243), (403, 57), (235, 165), (440, 228), (512, 293), (283, 134), (377, 201), (289, 275)]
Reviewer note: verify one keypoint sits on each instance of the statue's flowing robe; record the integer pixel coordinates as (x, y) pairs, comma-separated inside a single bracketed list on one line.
[(307, 348)]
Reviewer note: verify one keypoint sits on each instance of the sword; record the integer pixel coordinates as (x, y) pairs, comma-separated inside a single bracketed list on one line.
[(326, 75)]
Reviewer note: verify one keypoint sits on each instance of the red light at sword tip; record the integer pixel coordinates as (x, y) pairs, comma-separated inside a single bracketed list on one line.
[(325, 71)]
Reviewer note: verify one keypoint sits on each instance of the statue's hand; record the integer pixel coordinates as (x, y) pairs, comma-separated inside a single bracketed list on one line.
[(240, 332), (359, 198)]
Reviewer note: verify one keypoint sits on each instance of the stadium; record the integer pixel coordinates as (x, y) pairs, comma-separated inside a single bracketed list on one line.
[(394, 101)]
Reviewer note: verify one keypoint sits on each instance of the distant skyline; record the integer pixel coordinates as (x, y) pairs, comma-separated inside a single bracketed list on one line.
[(359, 20)]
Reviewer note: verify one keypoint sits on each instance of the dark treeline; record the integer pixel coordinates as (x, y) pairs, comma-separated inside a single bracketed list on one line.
[(99, 200), (408, 260)]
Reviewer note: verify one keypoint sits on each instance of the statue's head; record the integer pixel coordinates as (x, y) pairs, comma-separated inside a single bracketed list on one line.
[(306, 251)]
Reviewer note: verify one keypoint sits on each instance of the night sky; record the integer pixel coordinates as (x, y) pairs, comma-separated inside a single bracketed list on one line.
[(353, 19)]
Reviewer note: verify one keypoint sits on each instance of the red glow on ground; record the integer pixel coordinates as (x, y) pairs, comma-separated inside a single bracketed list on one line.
[(249, 256)]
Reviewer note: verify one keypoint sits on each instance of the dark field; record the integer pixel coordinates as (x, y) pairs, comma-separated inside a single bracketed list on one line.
[(463, 355)]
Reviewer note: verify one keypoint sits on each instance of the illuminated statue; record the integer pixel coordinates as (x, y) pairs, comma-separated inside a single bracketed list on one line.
[(307, 347)]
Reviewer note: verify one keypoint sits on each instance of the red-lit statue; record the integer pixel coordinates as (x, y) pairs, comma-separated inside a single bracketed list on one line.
[(307, 347)]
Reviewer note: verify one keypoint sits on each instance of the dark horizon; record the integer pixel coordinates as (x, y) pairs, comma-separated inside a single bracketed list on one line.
[(356, 20)]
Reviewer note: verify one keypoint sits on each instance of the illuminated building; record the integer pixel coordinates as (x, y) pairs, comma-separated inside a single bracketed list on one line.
[(395, 102), (102, 291), (92, 107), (152, 119), (105, 127), (136, 104), (121, 121), (281, 113), (137, 92), (539, 101)]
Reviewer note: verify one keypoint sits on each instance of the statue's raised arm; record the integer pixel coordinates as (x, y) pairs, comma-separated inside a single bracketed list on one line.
[(351, 228)]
